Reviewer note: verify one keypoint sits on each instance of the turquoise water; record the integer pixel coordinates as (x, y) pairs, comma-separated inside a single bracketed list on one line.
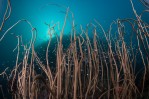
[(85, 11), (39, 12)]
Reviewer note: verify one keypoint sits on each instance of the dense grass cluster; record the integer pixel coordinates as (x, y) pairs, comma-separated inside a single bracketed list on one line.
[(97, 67)]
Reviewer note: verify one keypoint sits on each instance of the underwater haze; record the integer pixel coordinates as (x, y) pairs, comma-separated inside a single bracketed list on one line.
[(85, 11), (38, 12)]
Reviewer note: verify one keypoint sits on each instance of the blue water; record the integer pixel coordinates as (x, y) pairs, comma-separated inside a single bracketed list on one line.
[(38, 13), (85, 11)]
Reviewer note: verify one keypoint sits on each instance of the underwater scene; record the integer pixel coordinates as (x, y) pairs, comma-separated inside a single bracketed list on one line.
[(74, 49)]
